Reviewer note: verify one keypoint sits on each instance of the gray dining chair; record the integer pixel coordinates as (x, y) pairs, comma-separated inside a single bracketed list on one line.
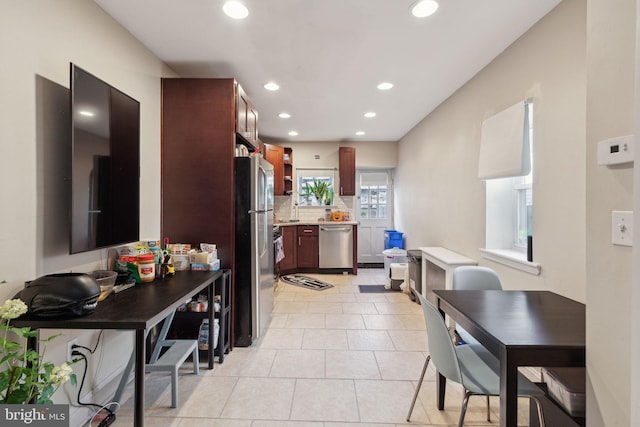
[(462, 365), (475, 278)]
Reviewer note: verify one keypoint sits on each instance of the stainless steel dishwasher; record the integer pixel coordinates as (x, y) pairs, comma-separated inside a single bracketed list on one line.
[(335, 247)]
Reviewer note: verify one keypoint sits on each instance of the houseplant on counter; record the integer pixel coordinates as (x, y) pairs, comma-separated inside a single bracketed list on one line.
[(24, 375)]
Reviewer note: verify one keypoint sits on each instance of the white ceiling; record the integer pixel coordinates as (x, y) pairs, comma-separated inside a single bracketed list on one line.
[(329, 55)]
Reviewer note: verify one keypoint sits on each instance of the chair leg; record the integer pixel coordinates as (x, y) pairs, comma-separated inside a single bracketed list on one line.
[(463, 410), (540, 412), (415, 395)]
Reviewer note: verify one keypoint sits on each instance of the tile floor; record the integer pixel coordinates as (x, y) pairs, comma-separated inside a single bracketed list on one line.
[(332, 358)]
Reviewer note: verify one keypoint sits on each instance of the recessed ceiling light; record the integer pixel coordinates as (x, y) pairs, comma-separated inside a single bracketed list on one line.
[(235, 9), (385, 86), (360, 133), (293, 133), (370, 114), (424, 8), (86, 113), (284, 115), (271, 86)]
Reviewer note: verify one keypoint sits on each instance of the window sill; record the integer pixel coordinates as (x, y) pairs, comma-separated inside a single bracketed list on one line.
[(513, 259)]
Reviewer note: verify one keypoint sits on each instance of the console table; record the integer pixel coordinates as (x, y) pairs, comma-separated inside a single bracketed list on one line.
[(437, 268), (138, 308)]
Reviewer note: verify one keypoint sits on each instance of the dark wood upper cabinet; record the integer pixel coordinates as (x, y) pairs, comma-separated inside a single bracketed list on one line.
[(347, 171), (246, 117), (201, 119), (288, 171), (274, 154)]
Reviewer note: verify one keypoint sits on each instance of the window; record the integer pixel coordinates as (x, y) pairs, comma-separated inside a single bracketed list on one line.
[(315, 187), (509, 210), (373, 195)]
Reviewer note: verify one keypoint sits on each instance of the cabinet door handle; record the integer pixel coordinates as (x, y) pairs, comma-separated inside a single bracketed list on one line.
[(307, 231), (341, 190), (299, 241)]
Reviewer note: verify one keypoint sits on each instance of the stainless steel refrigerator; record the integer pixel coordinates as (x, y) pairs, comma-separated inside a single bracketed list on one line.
[(253, 248)]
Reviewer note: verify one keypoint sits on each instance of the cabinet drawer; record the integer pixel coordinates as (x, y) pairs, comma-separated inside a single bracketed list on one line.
[(307, 230)]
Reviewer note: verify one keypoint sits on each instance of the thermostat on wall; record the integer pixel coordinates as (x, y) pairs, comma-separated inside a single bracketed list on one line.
[(616, 151)]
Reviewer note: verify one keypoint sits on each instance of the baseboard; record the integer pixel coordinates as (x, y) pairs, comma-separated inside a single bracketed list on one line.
[(371, 265)]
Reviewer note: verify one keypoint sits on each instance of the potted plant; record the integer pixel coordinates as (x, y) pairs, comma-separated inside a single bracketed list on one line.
[(24, 376)]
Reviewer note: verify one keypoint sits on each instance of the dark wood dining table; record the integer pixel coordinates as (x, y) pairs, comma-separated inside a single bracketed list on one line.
[(520, 328), (138, 308)]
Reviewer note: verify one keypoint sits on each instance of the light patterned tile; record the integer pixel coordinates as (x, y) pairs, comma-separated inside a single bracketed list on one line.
[(305, 321), (369, 340), (325, 339), (282, 338), (298, 364), (387, 402), (382, 321), (400, 365), (409, 340), (359, 308), (325, 307), (260, 398), (325, 400), (344, 321), (351, 365), (246, 362)]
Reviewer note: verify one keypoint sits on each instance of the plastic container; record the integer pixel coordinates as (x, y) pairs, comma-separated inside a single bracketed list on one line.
[(147, 267), (394, 255), (203, 334), (567, 387), (106, 279), (393, 239)]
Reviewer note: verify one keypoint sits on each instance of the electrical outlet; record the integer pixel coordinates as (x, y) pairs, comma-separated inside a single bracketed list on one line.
[(70, 344)]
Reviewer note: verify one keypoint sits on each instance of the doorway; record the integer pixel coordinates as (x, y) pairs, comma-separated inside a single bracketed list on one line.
[(374, 210)]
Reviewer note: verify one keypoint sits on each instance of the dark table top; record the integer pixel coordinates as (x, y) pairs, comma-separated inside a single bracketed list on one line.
[(139, 307), (532, 319)]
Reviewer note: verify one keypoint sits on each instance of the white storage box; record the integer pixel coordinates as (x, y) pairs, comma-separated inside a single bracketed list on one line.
[(567, 387)]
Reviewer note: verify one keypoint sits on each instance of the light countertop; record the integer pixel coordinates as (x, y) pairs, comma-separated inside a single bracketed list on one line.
[(288, 223)]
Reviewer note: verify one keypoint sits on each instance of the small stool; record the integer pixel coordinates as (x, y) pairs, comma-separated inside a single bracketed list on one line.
[(172, 359)]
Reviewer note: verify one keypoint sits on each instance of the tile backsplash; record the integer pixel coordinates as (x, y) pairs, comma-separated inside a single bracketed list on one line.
[(284, 208)]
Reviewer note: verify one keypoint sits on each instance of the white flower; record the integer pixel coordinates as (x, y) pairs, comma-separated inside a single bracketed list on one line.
[(12, 309), (61, 374)]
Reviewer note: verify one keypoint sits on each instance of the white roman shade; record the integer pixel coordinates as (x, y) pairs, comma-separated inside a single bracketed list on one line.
[(504, 144)]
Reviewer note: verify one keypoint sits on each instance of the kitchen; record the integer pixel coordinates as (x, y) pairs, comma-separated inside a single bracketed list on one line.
[(450, 208)]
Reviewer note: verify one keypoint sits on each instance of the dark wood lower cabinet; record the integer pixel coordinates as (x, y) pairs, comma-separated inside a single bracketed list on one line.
[(290, 245), (307, 248)]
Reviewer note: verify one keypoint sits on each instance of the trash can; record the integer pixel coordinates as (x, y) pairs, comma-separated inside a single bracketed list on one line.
[(393, 239), (414, 257), (393, 255)]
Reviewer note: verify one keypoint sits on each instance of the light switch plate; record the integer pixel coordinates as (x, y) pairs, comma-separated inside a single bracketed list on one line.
[(622, 228)]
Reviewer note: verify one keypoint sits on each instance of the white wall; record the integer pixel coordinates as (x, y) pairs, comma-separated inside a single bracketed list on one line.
[(40, 39), (610, 113), (369, 154), (440, 200), (577, 64)]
